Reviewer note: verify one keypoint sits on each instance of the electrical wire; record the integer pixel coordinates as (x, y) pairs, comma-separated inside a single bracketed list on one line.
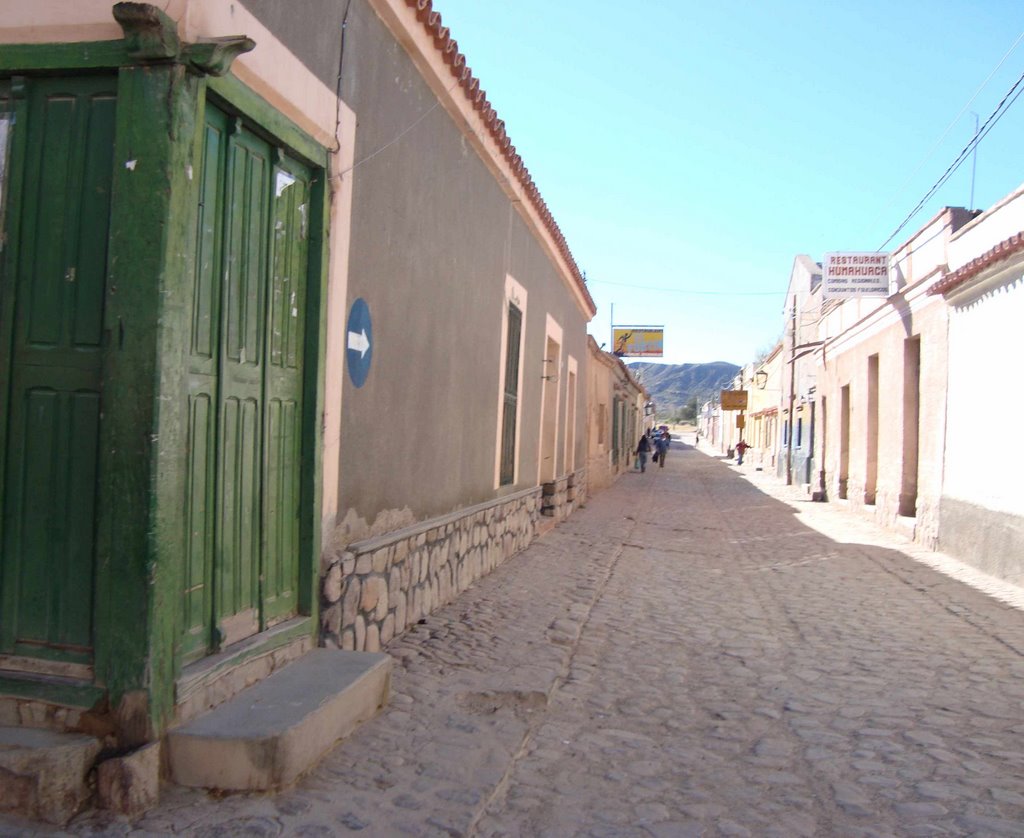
[(990, 123), (337, 86), (397, 137), (949, 128), (687, 291)]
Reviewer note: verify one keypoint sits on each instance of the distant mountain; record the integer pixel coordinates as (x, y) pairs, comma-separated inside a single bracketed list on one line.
[(672, 385)]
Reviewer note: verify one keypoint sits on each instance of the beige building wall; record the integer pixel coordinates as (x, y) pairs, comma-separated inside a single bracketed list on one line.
[(609, 383), (882, 391), (798, 373), (763, 428)]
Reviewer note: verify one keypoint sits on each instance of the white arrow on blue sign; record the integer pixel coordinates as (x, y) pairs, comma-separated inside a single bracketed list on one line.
[(359, 352)]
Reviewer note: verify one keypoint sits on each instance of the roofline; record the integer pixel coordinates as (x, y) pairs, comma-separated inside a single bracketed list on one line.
[(613, 362), (1000, 253), (419, 29), (949, 211)]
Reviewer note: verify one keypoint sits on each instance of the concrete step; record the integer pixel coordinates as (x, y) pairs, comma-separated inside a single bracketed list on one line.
[(271, 733), (43, 773)]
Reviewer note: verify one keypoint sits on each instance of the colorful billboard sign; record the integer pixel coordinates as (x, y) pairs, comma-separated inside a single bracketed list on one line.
[(847, 275), (638, 341)]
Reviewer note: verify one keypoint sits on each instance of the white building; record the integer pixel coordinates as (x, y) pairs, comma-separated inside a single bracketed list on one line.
[(982, 503)]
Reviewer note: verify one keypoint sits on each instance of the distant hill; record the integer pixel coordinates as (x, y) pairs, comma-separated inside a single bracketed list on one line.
[(672, 385)]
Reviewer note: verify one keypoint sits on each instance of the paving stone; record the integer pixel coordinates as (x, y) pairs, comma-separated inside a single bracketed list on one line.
[(704, 654)]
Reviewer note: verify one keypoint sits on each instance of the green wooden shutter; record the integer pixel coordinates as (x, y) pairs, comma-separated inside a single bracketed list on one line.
[(204, 361), (52, 352), (246, 380), (283, 399), (511, 401), (237, 568), (616, 433)]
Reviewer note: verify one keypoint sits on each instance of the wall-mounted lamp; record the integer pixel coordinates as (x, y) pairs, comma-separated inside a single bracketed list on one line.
[(761, 379)]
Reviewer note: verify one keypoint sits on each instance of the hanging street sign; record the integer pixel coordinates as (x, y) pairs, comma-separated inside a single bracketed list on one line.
[(855, 274), (734, 400), (638, 341), (359, 343)]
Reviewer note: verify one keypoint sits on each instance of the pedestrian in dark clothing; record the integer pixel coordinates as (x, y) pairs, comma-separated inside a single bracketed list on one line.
[(643, 448), (661, 442)]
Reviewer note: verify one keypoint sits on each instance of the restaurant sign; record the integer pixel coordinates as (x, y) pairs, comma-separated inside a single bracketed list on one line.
[(846, 275)]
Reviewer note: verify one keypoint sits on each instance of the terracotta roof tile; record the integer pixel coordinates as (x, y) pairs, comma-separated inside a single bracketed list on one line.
[(1003, 250), (449, 49)]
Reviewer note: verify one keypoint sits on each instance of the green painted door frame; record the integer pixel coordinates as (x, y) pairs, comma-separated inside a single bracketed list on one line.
[(147, 315)]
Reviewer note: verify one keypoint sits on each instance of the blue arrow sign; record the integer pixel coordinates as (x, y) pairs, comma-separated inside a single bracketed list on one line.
[(359, 342)]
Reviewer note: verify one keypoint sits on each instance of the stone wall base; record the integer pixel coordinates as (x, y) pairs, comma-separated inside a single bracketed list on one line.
[(560, 498), (375, 589)]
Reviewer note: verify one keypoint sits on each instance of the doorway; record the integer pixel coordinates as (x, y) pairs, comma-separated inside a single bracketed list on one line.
[(245, 400), (911, 424), (56, 183)]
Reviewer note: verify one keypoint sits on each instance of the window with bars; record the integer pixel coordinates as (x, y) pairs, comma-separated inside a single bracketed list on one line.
[(511, 400)]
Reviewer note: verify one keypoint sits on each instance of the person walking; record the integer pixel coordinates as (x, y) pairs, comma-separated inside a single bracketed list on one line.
[(661, 442), (741, 448), (643, 448)]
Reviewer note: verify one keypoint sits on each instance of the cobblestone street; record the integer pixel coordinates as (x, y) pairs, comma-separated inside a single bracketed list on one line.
[(698, 651)]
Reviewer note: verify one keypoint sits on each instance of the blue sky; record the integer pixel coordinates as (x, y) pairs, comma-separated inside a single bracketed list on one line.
[(690, 150)]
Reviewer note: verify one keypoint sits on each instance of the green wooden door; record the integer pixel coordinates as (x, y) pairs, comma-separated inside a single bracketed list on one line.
[(245, 400), (57, 191), (286, 315)]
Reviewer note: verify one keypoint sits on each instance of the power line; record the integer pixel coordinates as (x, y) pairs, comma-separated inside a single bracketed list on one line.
[(990, 123), (687, 291), (949, 128), (398, 136)]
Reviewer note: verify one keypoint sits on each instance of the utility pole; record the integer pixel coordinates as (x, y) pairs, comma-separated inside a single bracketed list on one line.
[(974, 160), (792, 396)]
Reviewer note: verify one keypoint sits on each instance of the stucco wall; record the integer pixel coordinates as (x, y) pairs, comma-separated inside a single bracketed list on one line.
[(607, 379), (850, 367), (983, 496), (855, 330), (433, 238), (984, 459)]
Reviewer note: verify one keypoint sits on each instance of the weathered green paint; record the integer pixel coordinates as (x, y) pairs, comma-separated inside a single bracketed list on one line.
[(241, 348), (314, 378), (235, 97), (143, 440), (53, 368), (53, 691), (284, 399), (275, 638), (84, 55), (245, 388), (13, 110), (152, 35), (150, 329)]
